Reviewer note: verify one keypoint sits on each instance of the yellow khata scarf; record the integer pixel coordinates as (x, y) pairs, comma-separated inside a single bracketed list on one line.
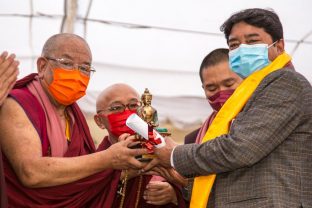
[(221, 123)]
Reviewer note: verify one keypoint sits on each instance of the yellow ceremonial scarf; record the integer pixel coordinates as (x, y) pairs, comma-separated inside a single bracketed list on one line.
[(221, 123)]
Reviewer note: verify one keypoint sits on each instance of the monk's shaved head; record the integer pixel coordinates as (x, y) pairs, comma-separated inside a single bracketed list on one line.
[(54, 42), (115, 93)]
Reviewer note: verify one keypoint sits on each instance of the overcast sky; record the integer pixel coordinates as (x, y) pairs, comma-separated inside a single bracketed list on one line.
[(163, 60)]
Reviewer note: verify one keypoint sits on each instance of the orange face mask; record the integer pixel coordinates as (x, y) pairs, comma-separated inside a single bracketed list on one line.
[(68, 85)]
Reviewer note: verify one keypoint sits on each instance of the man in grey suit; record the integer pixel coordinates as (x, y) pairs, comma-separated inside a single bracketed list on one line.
[(265, 158)]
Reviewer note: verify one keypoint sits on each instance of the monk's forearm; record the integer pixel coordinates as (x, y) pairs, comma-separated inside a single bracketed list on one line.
[(52, 171), (22, 147)]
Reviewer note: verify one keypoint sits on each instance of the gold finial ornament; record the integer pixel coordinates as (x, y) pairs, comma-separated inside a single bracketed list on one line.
[(147, 112)]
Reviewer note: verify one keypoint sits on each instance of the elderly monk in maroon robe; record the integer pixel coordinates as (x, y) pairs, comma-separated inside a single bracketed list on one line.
[(49, 156), (8, 75), (113, 107)]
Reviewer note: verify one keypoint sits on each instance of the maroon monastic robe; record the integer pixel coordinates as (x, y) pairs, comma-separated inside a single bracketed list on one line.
[(134, 192), (98, 190), (3, 197)]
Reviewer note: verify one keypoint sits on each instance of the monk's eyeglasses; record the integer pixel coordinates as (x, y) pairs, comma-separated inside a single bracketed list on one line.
[(119, 107), (70, 65)]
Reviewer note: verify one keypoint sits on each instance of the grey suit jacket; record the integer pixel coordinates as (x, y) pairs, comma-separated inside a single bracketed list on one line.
[(266, 159)]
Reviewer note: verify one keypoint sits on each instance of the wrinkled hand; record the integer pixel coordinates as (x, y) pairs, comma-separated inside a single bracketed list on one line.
[(160, 193), (162, 155), (131, 173), (122, 157), (169, 174), (8, 74)]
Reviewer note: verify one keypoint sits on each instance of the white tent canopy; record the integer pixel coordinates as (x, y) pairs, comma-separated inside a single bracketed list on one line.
[(154, 44)]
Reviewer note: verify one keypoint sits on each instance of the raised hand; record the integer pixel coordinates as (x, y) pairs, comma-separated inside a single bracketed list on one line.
[(8, 74)]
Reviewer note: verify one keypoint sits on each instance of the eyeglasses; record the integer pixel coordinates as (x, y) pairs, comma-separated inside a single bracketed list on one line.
[(119, 108), (70, 65)]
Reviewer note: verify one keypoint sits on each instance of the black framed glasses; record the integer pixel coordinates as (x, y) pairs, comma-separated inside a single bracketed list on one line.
[(70, 65)]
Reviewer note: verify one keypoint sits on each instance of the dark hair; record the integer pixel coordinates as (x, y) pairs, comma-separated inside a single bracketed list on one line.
[(261, 18), (213, 58)]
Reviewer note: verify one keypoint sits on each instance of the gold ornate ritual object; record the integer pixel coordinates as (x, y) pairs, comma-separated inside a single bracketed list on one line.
[(147, 112)]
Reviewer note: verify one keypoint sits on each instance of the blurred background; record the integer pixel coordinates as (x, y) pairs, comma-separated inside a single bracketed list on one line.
[(151, 44)]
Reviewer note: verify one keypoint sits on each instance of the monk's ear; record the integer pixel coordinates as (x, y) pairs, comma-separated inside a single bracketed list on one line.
[(42, 65), (98, 121)]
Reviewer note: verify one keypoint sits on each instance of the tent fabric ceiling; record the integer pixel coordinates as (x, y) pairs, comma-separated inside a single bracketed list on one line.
[(145, 43)]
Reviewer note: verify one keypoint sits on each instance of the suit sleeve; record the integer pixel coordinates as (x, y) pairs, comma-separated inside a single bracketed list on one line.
[(269, 117)]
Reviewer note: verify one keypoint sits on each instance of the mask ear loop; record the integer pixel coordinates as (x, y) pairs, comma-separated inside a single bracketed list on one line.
[(273, 44)]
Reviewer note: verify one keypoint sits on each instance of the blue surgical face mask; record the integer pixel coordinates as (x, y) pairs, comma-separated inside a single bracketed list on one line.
[(247, 59)]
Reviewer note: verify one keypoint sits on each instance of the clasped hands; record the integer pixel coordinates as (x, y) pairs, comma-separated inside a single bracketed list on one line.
[(8, 74), (160, 165)]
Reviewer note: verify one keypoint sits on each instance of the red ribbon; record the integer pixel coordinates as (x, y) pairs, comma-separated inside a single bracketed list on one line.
[(151, 142)]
